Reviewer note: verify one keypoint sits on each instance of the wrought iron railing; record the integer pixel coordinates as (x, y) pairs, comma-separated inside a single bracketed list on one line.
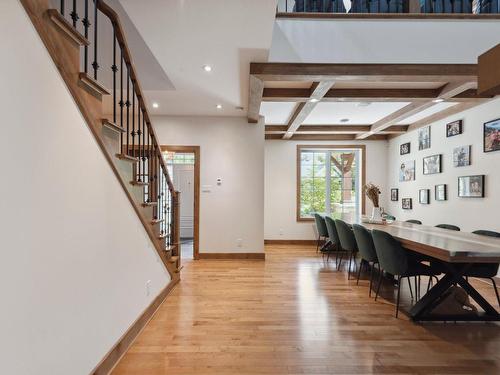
[(389, 6), (138, 140)]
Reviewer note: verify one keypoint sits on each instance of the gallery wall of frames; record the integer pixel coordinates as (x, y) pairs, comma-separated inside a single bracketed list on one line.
[(449, 171)]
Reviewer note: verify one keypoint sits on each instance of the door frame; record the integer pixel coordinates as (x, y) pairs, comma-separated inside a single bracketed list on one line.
[(196, 205)]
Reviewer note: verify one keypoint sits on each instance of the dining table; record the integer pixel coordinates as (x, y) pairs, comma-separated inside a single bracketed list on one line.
[(456, 251)]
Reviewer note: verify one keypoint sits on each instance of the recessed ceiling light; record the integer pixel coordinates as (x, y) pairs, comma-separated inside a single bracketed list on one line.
[(155, 105), (344, 120), (364, 104), (218, 106), (438, 100), (314, 100), (207, 68)]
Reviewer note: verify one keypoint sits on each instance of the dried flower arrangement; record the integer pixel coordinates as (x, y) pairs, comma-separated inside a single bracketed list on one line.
[(372, 192)]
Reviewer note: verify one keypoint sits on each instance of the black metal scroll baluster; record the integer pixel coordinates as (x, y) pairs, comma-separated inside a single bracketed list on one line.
[(127, 104), (150, 168), (74, 14), (95, 65), (61, 8), (86, 25), (143, 156), (139, 140), (122, 103), (132, 133), (114, 69)]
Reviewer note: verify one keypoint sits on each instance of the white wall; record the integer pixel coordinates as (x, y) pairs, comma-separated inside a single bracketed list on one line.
[(75, 257), (382, 41), (281, 179), (469, 214), (233, 150)]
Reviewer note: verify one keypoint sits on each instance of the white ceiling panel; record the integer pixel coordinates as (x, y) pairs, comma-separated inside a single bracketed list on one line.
[(331, 113), (277, 113), (429, 111)]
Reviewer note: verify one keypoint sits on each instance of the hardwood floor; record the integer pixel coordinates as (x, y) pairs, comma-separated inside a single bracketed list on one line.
[(295, 314)]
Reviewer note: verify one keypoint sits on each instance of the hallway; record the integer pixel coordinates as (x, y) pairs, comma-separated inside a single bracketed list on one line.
[(293, 314)]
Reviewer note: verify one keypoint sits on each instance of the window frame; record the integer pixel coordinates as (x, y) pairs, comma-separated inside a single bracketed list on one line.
[(300, 148)]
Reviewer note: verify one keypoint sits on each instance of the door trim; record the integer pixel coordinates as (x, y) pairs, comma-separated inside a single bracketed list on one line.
[(196, 206)]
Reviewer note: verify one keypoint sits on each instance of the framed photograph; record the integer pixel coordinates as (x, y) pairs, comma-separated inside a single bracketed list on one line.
[(407, 171), (424, 138), (471, 186), (406, 203), (424, 196), (405, 148), (441, 192), (461, 156), (432, 164), (394, 195), (454, 128), (491, 135)]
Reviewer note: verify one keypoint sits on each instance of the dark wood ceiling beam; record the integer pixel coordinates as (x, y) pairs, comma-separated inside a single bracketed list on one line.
[(364, 72), (334, 129), (318, 90)]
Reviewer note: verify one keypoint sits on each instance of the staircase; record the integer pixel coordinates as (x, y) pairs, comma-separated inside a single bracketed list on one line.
[(88, 45)]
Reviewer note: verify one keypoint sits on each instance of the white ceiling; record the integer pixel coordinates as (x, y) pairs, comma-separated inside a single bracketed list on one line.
[(277, 113), (330, 113), (185, 35), (427, 112)]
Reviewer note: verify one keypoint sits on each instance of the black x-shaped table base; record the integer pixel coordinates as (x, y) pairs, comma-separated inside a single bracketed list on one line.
[(455, 275)]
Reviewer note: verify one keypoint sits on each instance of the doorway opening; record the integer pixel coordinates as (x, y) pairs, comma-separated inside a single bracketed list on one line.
[(183, 163)]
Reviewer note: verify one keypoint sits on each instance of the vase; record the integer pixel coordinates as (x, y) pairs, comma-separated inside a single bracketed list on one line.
[(376, 214)]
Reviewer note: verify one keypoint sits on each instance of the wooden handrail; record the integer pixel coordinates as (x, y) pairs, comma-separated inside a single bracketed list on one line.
[(127, 56)]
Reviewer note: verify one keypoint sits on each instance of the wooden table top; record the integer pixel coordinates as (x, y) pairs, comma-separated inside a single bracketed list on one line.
[(443, 244)]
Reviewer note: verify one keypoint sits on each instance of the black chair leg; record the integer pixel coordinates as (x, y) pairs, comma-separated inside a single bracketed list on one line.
[(429, 283), (339, 264), (317, 243), (359, 273), (371, 279), (409, 285), (379, 282), (397, 299), (496, 290)]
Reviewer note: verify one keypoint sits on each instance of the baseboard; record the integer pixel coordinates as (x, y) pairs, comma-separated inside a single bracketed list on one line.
[(112, 358), (290, 242), (249, 256)]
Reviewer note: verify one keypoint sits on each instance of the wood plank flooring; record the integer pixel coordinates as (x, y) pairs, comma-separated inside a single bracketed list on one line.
[(295, 314)]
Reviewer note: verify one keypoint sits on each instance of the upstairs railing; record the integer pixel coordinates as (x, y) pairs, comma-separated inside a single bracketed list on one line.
[(138, 140), (389, 6)]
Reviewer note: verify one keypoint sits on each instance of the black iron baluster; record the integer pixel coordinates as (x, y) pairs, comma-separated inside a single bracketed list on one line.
[(150, 167), (127, 104), (121, 101), (86, 25), (74, 14), (132, 133), (61, 8), (143, 143), (95, 65), (114, 69), (139, 139)]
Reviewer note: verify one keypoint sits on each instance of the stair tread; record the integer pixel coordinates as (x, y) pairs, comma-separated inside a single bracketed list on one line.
[(162, 236), (148, 204), (173, 259), (111, 125), (157, 221), (170, 248), (139, 183), (94, 87), (66, 27), (127, 158)]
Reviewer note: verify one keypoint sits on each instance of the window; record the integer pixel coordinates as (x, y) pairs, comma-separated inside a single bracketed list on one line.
[(329, 180)]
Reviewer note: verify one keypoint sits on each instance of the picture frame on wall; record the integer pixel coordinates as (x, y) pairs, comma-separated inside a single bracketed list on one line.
[(424, 138), (407, 171), (491, 135), (424, 196), (461, 156), (471, 186), (394, 195), (406, 203), (441, 193), (432, 164), (405, 148), (454, 128)]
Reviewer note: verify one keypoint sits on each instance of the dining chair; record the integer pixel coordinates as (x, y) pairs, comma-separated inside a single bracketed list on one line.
[(333, 238), (347, 242), (366, 250), (322, 231), (396, 261), (412, 221), (449, 227)]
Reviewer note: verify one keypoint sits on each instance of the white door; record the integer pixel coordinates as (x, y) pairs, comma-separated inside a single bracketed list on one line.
[(184, 182)]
